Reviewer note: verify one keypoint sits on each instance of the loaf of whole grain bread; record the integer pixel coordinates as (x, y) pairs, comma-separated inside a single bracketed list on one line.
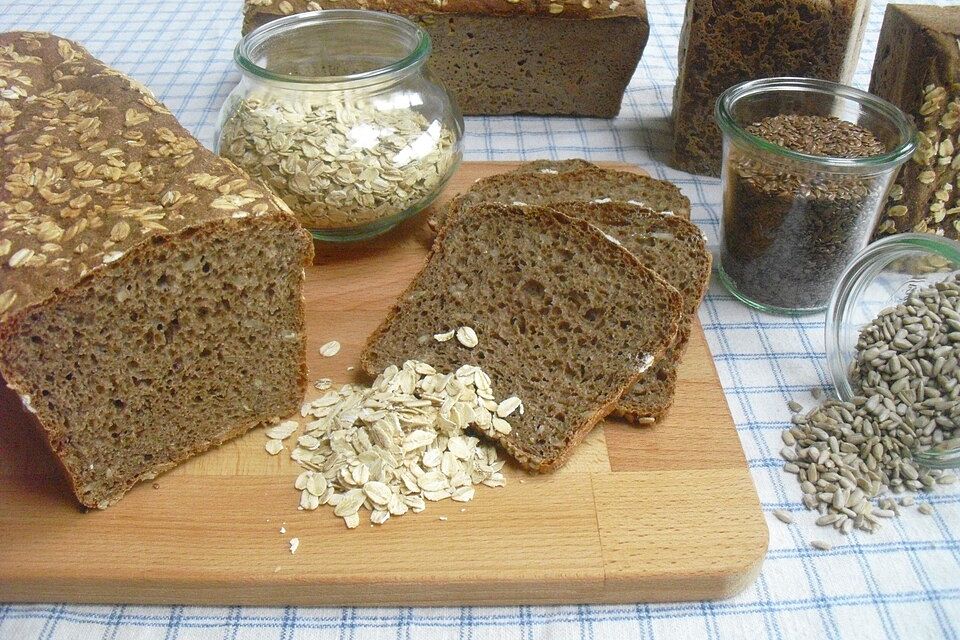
[(725, 43), (150, 292), (506, 56), (917, 68)]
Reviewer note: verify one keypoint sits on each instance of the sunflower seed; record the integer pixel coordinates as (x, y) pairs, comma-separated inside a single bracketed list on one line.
[(443, 337), (783, 516), (925, 509), (821, 545)]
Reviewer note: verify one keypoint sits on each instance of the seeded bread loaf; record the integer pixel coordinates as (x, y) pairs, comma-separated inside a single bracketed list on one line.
[(565, 320), (728, 42), (514, 56), (530, 185), (917, 68), (677, 251), (150, 293)]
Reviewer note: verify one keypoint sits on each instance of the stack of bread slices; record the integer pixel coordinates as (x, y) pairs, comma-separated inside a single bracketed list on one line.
[(581, 284)]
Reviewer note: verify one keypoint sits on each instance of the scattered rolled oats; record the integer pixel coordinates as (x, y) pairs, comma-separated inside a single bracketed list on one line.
[(392, 447), (294, 545), (467, 337), (273, 447), (330, 349), (283, 430)]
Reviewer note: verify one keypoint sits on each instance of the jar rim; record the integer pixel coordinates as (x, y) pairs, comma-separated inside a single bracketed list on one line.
[(243, 53), (862, 268), (723, 114)]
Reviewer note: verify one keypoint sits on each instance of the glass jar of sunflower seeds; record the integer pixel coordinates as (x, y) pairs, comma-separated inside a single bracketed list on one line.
[(336, 114), (893, 331)]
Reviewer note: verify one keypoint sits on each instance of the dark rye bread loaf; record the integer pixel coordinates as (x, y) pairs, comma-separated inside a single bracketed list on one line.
[(674, 248), (514, 56), (566, 321), (534, 187), (725, 42), (150, 292), (917, 68)]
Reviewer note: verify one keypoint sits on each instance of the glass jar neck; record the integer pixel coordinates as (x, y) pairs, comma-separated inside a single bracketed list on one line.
[(335, 50)]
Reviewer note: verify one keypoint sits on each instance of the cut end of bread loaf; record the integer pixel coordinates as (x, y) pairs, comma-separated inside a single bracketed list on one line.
[(185, 343), (566, 321)]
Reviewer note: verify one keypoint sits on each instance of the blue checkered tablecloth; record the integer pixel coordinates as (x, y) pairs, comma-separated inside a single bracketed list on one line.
[(901, 583)]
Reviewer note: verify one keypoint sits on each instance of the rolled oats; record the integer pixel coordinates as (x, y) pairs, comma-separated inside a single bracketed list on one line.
[(339, 165), (392, 447)]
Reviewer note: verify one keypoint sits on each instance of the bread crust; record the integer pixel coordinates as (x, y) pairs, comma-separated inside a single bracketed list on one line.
[(554, 183), (257, 12), (630, 262)]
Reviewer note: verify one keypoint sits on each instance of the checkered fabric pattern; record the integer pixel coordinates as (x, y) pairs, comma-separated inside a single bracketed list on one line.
[(901, 583)]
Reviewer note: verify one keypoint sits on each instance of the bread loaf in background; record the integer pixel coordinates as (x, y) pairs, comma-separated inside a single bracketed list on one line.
[(917, 68), (725, 42), (502, 57), (150, 293)]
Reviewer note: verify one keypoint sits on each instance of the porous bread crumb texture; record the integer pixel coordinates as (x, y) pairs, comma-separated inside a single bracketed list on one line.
[(191, 341), (917, 68), (150, 292), (584, 185), (507, 57), (725, 43), (676, 250), (563, 318)]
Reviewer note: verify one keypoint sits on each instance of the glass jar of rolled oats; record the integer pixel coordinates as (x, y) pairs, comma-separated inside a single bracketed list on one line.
[(336, 113)]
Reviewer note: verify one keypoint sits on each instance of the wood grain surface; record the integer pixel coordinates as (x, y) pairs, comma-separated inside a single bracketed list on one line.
[(659, 513)]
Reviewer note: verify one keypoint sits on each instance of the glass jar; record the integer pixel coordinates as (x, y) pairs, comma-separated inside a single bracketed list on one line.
[(335, 113), (792, 221), (882, 276)]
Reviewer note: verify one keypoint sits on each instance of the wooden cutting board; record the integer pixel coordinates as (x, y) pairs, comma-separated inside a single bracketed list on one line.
[(659, 513)]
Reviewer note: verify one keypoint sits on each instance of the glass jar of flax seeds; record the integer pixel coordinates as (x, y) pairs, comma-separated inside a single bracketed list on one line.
[(806, 167)]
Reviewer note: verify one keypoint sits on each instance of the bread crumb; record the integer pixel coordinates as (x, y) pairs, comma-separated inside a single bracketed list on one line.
[(294, 544), (442, 518), (156, 485), (283, 529)]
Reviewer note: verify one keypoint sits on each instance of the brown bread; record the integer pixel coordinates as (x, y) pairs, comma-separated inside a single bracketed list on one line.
[(723, 43), (566, 321), (674, 248), (533, 187), (549, 58), (150, 293), (917, 68)]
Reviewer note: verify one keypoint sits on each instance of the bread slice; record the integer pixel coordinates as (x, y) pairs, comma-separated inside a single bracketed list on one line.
[(677, 250), (568, 165), (566, 321), (150, 293), (533, 187)]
